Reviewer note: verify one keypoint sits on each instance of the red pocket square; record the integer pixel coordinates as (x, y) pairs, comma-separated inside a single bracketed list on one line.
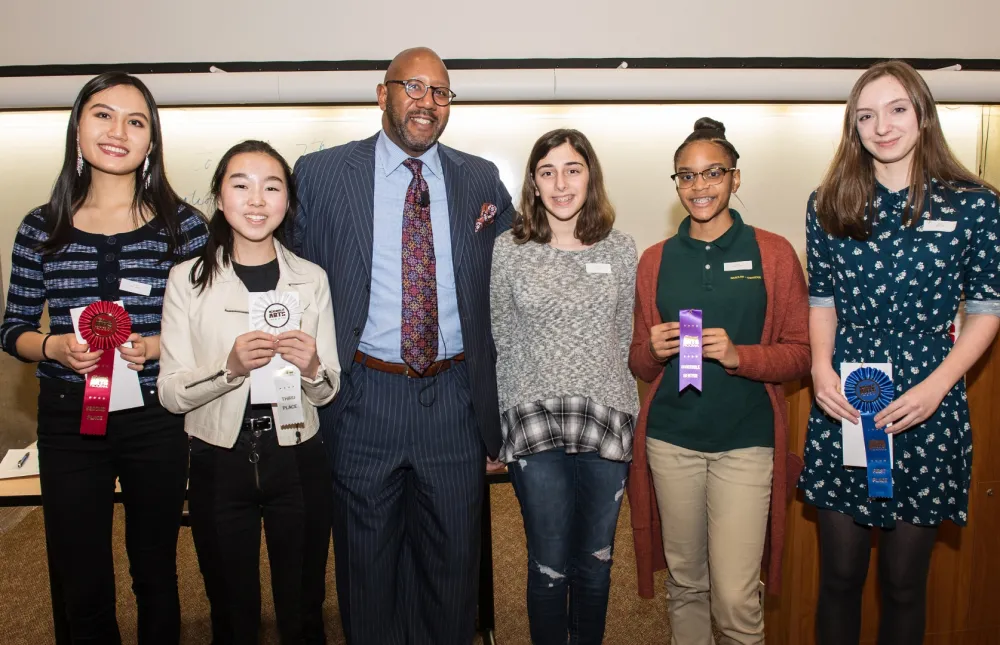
[(486, 215)]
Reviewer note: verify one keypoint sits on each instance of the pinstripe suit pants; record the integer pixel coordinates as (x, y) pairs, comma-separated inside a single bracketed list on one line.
[(408, 478)]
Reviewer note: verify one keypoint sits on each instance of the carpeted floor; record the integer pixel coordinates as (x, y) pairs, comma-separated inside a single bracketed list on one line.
[(25, 609)]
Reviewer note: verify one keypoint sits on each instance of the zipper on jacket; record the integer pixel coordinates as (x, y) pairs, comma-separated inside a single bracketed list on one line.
[(205, 380)]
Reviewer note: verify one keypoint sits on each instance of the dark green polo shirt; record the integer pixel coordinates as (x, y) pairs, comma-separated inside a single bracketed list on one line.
[(722, 278)]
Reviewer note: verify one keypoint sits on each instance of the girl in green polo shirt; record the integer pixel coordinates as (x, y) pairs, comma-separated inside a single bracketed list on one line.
[(716, 456)]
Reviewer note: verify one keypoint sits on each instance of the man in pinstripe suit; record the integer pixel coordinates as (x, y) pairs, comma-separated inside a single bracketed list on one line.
[(417, 411)]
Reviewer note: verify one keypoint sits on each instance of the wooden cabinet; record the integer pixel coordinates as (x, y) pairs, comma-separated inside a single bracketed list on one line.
[(963, 599), (984, 601)]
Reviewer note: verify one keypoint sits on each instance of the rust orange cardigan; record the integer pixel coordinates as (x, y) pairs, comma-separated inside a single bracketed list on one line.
[(782, 355)]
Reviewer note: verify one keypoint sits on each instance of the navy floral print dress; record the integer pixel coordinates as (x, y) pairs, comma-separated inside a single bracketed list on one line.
[(896, 295)]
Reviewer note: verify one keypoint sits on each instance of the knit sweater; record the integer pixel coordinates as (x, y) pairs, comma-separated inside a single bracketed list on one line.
[(91, 268), (562, 321), (782, 355)]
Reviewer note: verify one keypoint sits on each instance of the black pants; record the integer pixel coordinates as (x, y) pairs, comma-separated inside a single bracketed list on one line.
[(289, 488), (408, 481), (146, 450)]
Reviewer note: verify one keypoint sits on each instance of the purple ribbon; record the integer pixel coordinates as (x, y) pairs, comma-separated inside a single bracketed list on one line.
[(690, 367)]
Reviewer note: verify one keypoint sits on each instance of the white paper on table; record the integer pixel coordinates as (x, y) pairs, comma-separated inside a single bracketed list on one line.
[(126, 392), (9, 469), (262, 379), (853, 434)]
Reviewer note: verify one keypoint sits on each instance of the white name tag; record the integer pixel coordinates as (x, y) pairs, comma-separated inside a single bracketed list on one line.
[(135, 287), (937, 226), (598, 267), (738, 266)]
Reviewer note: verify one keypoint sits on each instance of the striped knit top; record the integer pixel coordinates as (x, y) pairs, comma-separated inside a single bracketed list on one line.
[(91, 268)]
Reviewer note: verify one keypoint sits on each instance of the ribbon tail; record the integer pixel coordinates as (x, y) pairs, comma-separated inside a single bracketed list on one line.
[(690, 350), (689, 378), (97, 397), (877, 454)]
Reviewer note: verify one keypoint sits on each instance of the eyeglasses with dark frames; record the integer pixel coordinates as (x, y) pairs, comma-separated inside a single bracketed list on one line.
[(417, 89), (711, 176)]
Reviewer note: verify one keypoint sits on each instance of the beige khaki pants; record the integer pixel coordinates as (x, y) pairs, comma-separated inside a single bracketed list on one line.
[(713, 515)]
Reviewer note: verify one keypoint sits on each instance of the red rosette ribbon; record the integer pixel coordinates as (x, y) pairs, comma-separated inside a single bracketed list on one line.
[(103, 325)]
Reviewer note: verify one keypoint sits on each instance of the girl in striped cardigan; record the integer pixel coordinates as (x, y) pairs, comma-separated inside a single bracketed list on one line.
[(111, 231)]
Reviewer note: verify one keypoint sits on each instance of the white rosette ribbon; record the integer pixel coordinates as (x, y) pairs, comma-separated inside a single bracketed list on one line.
[(275, 312)]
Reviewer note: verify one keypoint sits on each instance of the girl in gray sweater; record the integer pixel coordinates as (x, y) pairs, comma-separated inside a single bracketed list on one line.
[(563, 287)]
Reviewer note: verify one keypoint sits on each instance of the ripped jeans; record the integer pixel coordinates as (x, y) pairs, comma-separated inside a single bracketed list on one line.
[(570, 505)]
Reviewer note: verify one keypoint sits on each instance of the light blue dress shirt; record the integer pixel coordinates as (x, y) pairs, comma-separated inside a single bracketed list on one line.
[(381, 337)]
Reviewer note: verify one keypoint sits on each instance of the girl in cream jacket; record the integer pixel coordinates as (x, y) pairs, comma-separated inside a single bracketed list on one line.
[(253, 461)]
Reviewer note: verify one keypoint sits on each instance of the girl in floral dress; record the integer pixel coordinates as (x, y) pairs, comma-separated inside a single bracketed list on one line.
[(897, 232)]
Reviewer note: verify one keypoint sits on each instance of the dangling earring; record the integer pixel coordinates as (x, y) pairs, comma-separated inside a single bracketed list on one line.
[(145, 171), (79, 160)]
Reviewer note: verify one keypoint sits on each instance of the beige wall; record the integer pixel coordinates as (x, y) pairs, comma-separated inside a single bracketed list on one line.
[(990, 147), (784, 151), (119, 31)]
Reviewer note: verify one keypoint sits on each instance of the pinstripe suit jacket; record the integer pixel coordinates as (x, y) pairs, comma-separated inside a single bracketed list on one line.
[(333, 228)]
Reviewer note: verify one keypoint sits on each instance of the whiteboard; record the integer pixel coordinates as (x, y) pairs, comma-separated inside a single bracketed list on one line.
[(784, 150)]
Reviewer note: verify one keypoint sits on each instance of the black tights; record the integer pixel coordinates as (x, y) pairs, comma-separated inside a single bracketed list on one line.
[(904, 557)]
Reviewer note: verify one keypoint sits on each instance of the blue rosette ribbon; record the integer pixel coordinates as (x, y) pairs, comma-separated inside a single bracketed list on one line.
[(870, 390)]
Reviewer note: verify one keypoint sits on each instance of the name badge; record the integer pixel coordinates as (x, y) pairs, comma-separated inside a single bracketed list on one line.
[(746, 265), (135, 287), (937, 226), (598, 267)]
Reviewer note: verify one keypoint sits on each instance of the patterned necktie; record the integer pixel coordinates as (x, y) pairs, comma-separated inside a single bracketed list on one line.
[(420, 314)]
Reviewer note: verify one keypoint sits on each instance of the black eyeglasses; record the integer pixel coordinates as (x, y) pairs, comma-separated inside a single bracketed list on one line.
[(416, 90), (712, 176)]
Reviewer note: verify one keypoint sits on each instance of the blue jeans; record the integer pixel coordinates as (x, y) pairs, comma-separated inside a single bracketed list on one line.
[(570, 505)]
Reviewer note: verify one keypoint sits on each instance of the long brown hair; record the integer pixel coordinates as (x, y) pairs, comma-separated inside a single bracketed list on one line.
[(597, 216), (152, 193), (849, 183)]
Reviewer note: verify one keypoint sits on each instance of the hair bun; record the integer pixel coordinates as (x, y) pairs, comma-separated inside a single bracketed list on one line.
[(706, 123)]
